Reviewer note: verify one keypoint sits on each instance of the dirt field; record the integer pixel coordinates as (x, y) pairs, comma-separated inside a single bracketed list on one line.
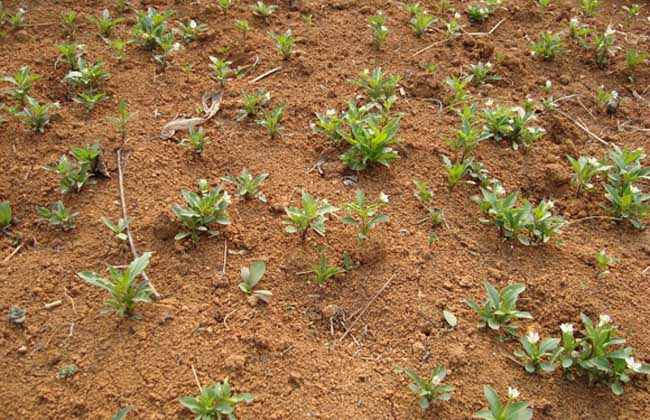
[(290, 354)]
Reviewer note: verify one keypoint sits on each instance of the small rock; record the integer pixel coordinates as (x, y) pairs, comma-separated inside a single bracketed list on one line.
[(235, 362), (328, 311), (295, 378), (565, 79), (22, 350)]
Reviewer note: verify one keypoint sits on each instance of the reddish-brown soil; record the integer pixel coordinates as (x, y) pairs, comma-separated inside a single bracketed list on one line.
[(285, 353)]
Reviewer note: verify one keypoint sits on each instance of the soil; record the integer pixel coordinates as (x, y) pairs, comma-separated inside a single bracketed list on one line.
[(289, 353)]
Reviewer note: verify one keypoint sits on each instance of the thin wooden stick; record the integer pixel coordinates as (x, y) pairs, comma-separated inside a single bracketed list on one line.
[(225, 255), (582, 127), (196, 378), (120, 179), (363, 311), (491, 30), (14, 252), (428, 47), (263, 75), (593, 218)]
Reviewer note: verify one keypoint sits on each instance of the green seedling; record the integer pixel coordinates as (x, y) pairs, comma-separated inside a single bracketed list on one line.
[(422, 192), (271, 120), (89, 100), (604, 97), (457, 171), (310, 216), (458, 87), (119, 48), (543, 4), (87, 76), (511, 410), (67, 371), (226, 4), (249, 279), (105, 23), (308, 19), (478, 13), (590, 7), (412, 8), (58, 215), (482, 73), (244, 27), (70, 53), (122, 119), (263, 10), (151, 28), (284, 43), (548, 46), (215, 402), (69, 22), (421, 23), (323, 272), (538, 357), (247, 185), (379, 86), (22, 82), (191, 31), (584, 169), (121, 415), (16, 20), (499, 310), (633, 59), (118, 228), (124, 287), (604, 45), (329, 124), (252, 103), (6, 215), (35, 115), (470, 133), (604, 262), (379, 29), (73, 175), (203, 209), (122, 6), (431, 389), (195, 139), (364, 216), (221, 71), (370, 143), (16, 315), (579, 31)]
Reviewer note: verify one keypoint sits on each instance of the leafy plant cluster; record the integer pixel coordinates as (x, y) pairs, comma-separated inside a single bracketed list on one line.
[(74, 174), (33, 114)]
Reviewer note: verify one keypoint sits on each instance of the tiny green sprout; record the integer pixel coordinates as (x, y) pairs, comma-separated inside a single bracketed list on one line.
[(323, 272), (579, 31), (470, 133), (363, 215), (422, 192), (221, 70), (6, 215), (511, 410), (457, 171), (69, 22), (263, 10), (73, 175), (226, 4), (633, 59), (603, 97), (17, 315), (67, 371), (412, 8), (122, 6), (22, 82), (284, 43), (450, 319), (584, 169), (89, 100), (604, 262), (204, 208), (122, 119), (119, 228), (542, 357), (478, 13), (17, 20), (378, 85), (436, 216), (310, 216), (252, 103), (421, 23), (87, 76), (543, 4), (247, 185), (604, 46), (191, 31), (243, 26), (432, 389), (633, 10), (379, 29), (330, 124), (548, 46), (453, 29), (119, 48), (482, 73), (121, 415), (215, 402), (370, 143), (590, 7), (125, 289), (151, 28), (458, 87), (250, 277), (57, 215), (196, 140), (35, 115), (500, 309), (271, 120), (308, 19), (105, 23), (443, 6), (187, 70), (70, 53)]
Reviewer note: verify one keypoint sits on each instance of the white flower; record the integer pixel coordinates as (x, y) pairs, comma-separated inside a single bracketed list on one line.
[(610, 31), (489, 102), (604, 319), (513, 393), (566, 328), (383, 197), (436, 380), (533, 337), (330, 112), (633, 364), (574, 20), (456, 15)]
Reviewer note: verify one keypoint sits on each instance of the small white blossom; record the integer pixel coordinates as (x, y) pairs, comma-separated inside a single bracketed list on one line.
[(533, 337), (383, 197), (456, 15), (604, 319), (436, 380), (566, 328), (633, 364), (330, 112), (610, 31), (513, 393)]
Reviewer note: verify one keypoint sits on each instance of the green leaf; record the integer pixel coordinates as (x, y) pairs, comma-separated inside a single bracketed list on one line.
[(450, 318), (139, 264), (121, 415), (494, 403), (256, 272)]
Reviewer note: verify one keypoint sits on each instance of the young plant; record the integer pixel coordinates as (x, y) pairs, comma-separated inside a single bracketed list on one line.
[(511, 410), (584, 169), (323, 272), (67, 371), (412, 8), (604, 97), (191, 31), (22, 82), (478, 13), (432, 389), (6, 216), (252, 103), (632, 11), (542, 357), (310, 216), (543, 4), (16, 315), (422, 192), (378, 85), (579, 31), (221, 70), (89, 100), (633, 59), (243, 26), (124, 287), (500, 309), (247, 185), (470, 134), (119, 228), (329, 124), (363, 215), (590, 7), (122, 6), (122, 119), (215, 402), (458, 87), (204, 208), (74, 175), (271, 120), (421, 22), (70, 53), (453, 29), (548, 46), (284, 43), (604, 261), (35, 115), (105, 23), (250, 277), (196, 140), (604, 45), (457, 171), (263, 10), (369, 143), (151, 27), (58, 215), (379, 29), (482, 73), (226, 4), (17, 20), (119, 48), (86, 76)]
